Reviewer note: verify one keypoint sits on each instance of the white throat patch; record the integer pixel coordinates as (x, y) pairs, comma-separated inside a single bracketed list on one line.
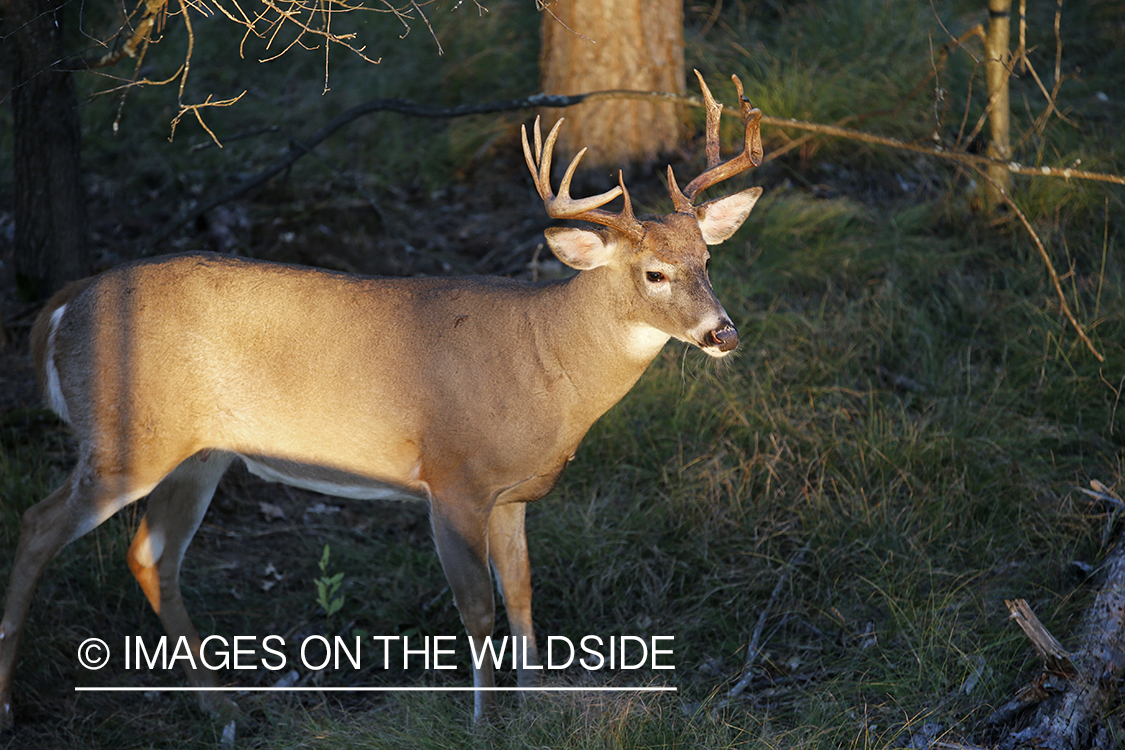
[(645, 342)]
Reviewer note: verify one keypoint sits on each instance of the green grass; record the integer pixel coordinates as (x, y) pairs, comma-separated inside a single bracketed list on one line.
[(900, 435)]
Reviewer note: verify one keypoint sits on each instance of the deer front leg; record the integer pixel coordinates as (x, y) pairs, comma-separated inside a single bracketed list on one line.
[(461, 533), (507, 546), (175, 509)]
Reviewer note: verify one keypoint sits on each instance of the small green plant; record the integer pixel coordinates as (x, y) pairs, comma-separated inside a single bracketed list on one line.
[(328, 587)]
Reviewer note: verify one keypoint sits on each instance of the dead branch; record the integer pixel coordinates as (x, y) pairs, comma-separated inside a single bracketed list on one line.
[(754, 647), (1004, 197), (936, 151), (155, 13), (1074, 719), (1054, 655)]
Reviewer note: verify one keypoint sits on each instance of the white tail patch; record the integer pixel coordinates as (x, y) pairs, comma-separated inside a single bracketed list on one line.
[(54, 393)]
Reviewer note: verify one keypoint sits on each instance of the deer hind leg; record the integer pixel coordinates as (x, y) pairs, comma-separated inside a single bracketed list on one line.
[(81, 504), (175, 510), (461, 533), (507, 546)]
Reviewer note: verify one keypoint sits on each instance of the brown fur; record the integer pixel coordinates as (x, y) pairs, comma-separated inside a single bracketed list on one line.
[(41, 330)]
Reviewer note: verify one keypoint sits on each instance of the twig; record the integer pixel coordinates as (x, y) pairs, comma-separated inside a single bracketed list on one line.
[(944, 745), (1101, 493), (425, 20), (936, 151), (935, 67), (152, 19), (1050, 266), (754, 647), (542, 7)]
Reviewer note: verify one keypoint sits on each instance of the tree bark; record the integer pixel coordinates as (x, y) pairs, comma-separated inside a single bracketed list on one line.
[(592, 45), (50, 202), (998, 70)]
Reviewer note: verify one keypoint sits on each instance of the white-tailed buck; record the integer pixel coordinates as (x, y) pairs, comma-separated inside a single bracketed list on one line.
[(470, 393)]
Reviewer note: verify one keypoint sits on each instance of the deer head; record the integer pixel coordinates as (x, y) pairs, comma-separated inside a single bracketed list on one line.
[(666, 257)]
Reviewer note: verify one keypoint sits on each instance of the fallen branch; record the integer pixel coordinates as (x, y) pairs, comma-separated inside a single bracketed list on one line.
[(1073, 719), (754, 646)]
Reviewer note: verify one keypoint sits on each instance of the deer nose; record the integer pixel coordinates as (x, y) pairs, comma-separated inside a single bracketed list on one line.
[(725, 337)]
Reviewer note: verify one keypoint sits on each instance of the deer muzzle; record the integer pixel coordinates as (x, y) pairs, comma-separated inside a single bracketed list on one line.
[(724, 338)]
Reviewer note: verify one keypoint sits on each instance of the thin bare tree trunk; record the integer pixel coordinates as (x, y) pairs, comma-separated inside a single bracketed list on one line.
[(592, 45), (998, 66)]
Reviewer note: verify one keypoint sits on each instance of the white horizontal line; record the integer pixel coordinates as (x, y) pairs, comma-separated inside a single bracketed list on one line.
[(457, 689)]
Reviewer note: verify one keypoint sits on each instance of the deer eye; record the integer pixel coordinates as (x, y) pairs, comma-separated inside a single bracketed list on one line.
[(707, 264), (655, 277)]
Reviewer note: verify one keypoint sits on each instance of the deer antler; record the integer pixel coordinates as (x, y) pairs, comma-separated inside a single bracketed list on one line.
[(563, 206), (751, 155)]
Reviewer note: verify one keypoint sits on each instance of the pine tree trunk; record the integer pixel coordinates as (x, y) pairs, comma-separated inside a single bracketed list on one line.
[(50, 202), (593, 45)]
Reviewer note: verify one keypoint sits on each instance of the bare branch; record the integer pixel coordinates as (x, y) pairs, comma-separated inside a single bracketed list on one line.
[(195, 108), (426, 21), (1003, 196), (543, 6)]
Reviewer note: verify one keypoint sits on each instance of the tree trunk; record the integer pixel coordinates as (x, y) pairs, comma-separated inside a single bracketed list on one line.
[(998, 70), (592, 45), (50, 201)]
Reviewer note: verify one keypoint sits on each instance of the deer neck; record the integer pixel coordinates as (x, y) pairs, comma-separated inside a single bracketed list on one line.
[(591, 331)]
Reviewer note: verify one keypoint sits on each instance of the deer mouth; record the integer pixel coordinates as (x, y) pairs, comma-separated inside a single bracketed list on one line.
[(721, 341)]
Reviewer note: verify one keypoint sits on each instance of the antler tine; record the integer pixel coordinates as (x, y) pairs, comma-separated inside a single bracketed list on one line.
[(627, 210), (680, 202), (540, 165), (714, 115), (539, 140), (563, 206), (716, 172), (752, 118)]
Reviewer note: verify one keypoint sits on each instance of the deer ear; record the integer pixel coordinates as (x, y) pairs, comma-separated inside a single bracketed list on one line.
[(720, 218), (580, 248)]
